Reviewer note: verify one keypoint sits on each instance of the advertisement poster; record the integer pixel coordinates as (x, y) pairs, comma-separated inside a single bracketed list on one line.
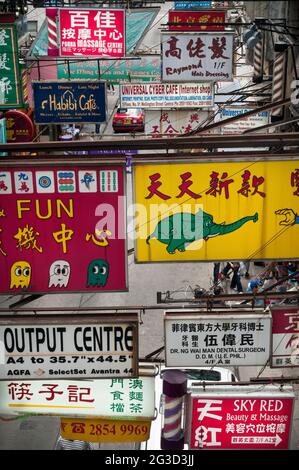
[(188, 57), (285, 330), (98, 33), (65, 101), (55, 231), (250, 418), (217, 210), (62, 347)]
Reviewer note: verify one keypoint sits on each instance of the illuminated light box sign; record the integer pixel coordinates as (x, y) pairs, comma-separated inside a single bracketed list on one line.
[(196, 339), (57, 235), (247, 417), (285, 331), (188, 57), (56, 347), (190, 18), (65, 101), (168, 95), (217, 210), (98, 33), (116, 398), (105, 430)]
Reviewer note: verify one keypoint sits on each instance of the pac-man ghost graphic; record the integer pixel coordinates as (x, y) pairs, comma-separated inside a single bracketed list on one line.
[(20, 274), (59, 273), (97, 273)]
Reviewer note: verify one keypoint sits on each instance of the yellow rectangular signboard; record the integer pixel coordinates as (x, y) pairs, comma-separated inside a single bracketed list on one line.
[(105, 430), (217, 210)]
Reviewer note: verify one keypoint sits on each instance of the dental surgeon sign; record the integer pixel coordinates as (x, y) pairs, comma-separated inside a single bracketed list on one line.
[(62, 228), (66, 347), (69, 101)]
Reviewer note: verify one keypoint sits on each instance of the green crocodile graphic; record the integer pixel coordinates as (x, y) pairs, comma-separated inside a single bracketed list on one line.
[(179, 230)]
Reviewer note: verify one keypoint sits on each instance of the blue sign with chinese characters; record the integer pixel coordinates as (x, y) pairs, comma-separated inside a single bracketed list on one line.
[(69, 101), (192, 5)]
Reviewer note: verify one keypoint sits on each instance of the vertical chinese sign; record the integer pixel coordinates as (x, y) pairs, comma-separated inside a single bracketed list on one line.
[(62, 228), (217, 211), (10, 80), (92, 33), (285, 339), (242, 418)]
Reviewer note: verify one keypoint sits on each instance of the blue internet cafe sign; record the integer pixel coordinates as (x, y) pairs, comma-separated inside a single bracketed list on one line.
[(68, 102), (192, 5)]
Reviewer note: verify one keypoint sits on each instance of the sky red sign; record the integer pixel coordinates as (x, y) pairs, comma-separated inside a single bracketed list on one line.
[(62, 229), (243, 422), (181, 18), (98, 33)]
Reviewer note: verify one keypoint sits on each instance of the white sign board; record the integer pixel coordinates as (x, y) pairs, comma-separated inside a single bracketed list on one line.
[(235, 339), (167, 95), (189, 57), (170, 123), (114, 398), (285, 340), (84, 347), (244, 124)]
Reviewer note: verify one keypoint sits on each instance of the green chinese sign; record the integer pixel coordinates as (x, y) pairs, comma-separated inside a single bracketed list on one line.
[(10, 81), (145, 68)]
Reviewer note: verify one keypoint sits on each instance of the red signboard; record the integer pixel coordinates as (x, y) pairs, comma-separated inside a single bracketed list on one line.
[(285, 336), (243, 422), (98, 33), (19, 127), (62, 228), (181, 18)]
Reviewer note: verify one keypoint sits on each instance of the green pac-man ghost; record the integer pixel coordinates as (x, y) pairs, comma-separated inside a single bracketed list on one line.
[(97, 273)]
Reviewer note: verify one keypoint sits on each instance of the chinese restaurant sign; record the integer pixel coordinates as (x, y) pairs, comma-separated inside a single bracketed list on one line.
[(58, 347), (217, 211), (98, 33), (167, 95), (241, 418), (285, 343), (105, 430), (54, 234), (244, 124), (65, 101), (146, 68), (186, 20), (239, 339), (188, 57), (117, 398), (10, 80)]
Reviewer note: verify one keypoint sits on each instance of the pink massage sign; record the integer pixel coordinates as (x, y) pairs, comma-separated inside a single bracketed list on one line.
[(62, 228)]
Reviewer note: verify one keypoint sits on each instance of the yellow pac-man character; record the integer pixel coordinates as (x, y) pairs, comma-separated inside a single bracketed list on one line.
[(20, 274)]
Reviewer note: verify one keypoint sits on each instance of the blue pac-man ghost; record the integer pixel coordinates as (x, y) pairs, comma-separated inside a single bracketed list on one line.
[(97, 273)]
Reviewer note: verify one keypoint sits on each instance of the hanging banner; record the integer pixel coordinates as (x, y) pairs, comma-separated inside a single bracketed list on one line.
[(146, 68), (247, 417), (188, 57), (186, 20), (95, 32), (58, 347), (285, 341), (55, 234), (193, 339), (245, 124), (217, 211), (167, 95), (117, 398), (63, 102), (105, 430), (10, 79)]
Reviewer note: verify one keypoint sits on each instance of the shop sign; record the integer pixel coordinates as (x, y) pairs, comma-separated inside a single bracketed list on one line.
[(285, 340), (244, 124), (19, 127), (197, 339), (186, 20), (2, 134), (167, 95), (95, 32), (117, 398), (189, 57), (172, 122), (247, 417), (65, 101), (105, 430), (58, 235), (217, 210), (10, 80), (192, 5), (58, 347)]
